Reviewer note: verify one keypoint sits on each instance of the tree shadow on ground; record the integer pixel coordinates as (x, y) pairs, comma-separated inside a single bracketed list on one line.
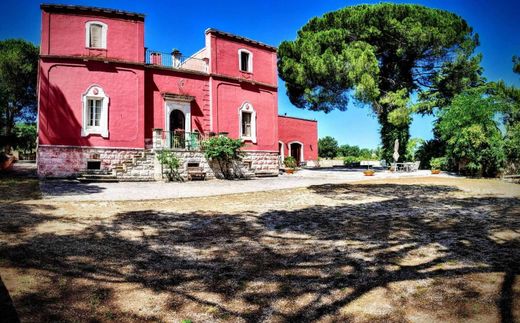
[(57, 187), (300, 265)]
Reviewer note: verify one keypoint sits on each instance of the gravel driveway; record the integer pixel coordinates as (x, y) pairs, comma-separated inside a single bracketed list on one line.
[(66, 190)]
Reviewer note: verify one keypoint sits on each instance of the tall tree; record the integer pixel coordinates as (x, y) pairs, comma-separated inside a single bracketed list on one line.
[(18, 71), (377, 55), (327, 147)]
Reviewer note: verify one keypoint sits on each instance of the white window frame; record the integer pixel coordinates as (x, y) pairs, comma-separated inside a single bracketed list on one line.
[(248, 108), (95, 92), (301, 152), (104, 29), (249, 63)]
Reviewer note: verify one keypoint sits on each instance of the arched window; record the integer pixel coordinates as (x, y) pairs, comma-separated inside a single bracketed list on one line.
[(247, 117), (95, 112), (245, 60), (96, 34)]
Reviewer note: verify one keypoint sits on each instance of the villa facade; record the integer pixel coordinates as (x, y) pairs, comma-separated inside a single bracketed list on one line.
[(108, 103)]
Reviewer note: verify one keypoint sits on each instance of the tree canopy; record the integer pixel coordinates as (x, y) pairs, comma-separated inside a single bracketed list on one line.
[(379, 55), (471, 130), (327, 147), (18, 71)]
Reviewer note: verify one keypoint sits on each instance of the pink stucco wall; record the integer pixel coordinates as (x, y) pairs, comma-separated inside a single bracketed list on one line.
[(224, 59), (62, 85), (160, 81), (228, 99), (301, 130), (64, 35)]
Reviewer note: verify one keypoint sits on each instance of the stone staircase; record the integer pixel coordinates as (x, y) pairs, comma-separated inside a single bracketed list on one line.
[(138, 168)]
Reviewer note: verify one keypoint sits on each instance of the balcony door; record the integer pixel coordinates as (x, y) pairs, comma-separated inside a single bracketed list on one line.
[(177, 123)]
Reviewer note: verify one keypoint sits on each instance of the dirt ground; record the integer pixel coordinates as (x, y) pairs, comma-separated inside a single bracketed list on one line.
[(416, 249)]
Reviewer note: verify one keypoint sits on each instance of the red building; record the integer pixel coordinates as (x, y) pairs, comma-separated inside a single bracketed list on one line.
[(108, 103)]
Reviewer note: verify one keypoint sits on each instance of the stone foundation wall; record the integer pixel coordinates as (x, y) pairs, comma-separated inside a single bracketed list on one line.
[(262, 161), (185, 157), (141, 164), (61, 161)]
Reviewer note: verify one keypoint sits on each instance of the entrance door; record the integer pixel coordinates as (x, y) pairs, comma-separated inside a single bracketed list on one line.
[(296, 152), (177, 129)]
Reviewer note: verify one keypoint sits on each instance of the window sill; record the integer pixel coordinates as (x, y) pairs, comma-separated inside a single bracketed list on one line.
[(250, 139), (96, 48), (89, 132)]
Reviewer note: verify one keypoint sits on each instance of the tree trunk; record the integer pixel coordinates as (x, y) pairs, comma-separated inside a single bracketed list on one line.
[(389, 133)]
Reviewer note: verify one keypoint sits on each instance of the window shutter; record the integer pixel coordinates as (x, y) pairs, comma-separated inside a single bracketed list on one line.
[(95, 36)]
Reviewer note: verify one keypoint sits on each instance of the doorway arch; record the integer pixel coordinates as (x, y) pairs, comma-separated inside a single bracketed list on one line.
[(296, 151), (177, 121)]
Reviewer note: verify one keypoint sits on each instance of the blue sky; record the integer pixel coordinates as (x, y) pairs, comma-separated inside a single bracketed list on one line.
[(181, 24)]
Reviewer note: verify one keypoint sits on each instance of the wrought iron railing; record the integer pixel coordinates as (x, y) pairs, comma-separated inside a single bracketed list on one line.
[(182, 140), (175, 60)]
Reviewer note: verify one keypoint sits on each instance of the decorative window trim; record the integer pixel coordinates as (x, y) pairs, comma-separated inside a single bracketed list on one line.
[(104, 29), (301, 151), (247, 107), (249, 63), (95, 92)]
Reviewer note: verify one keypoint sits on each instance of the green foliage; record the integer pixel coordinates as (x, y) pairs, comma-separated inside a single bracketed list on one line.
[(516, 64), (224, 151), (290, 162), (360, 153), (438, 163), (18, 70), (172, 163), (25, 137), (222, 148), (412, 147), (378, 55), (474, 142), (327, 147), (351, 160), (428, 150)]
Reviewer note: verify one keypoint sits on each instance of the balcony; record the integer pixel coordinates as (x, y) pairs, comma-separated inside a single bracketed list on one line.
[(178, 140), (175, 60)]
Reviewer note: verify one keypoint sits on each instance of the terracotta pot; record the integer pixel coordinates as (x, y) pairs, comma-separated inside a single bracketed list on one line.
[(289, 171), (436, 171), (369, 172)]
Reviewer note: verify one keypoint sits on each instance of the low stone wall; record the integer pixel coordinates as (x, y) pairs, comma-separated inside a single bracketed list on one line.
[(64, 161)]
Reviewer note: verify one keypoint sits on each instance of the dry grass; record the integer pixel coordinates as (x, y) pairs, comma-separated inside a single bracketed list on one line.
[(399, 250)]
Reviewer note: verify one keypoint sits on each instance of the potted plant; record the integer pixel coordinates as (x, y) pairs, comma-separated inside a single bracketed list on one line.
[(436, 164), (290, 164), (369, 172)]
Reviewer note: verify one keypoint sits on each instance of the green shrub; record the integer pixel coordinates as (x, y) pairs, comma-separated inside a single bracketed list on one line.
[(290, 162), (438, 163), (350, 160), (172, 164), (224, 151)]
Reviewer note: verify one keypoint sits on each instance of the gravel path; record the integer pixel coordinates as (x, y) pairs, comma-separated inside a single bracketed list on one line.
[(63, 190)]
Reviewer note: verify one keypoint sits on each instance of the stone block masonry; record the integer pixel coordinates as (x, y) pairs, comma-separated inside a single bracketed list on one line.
[(70, 161), (137, 164)]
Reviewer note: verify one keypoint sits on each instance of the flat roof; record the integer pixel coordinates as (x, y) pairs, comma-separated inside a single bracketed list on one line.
[(303, 119), (91, 10), (239, 38)]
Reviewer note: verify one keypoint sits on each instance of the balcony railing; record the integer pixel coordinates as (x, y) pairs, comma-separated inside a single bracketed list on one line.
[(182, 140), (175, 60)]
